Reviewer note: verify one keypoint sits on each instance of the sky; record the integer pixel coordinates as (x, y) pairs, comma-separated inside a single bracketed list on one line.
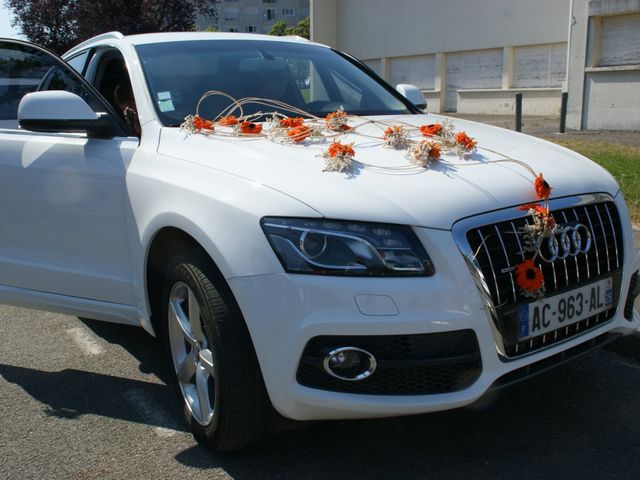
[(6, 30)]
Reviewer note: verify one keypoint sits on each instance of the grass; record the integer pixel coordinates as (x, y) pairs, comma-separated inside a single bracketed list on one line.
[(622, 161)]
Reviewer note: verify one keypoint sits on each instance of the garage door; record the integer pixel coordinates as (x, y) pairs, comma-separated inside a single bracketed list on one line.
[(620, 41), (476, 69), (418, 70), (539, 65)]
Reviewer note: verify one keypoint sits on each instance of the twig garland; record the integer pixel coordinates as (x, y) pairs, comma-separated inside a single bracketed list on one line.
[(422, 146)]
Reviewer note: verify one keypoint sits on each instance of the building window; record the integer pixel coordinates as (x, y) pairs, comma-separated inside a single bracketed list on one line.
[(268, 1), (269, 13), (250, 29), (231, 14), (232, 29), (288, 12)]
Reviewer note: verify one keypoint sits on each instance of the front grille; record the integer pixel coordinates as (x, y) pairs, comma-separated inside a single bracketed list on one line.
[(498, 248), (407, 364)]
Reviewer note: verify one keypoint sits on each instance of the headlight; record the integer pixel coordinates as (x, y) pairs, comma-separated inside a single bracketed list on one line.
[(334, 247)]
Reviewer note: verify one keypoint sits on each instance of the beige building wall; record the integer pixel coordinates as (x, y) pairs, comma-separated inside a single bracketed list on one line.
[(469, 56), (391, 28)]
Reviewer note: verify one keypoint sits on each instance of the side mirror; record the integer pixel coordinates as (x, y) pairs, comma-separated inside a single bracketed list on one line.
[(61, 111), (413, 94)]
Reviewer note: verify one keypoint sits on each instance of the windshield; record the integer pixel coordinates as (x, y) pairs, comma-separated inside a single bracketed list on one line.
[(314, 79)]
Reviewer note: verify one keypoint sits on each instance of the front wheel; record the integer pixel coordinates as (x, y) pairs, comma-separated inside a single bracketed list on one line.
[(213, 361)]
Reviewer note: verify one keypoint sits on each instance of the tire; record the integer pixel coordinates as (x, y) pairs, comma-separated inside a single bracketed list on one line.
[(213, 363)]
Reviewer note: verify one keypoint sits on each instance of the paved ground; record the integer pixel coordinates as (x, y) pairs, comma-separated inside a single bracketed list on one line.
[(548, 127), (87, 400)]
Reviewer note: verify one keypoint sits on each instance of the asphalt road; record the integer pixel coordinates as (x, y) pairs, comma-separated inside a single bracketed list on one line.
[(85, 400), (88, 400)]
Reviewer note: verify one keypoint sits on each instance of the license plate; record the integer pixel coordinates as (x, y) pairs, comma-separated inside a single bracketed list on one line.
[(548, 314)]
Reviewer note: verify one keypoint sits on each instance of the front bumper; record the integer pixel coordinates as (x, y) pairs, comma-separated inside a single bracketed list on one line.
[(283, 312)]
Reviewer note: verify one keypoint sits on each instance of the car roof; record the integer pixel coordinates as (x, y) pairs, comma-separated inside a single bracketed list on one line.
[(164, 37)]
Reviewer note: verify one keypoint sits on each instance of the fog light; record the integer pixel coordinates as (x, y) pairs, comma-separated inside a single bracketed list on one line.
[(349, 363)]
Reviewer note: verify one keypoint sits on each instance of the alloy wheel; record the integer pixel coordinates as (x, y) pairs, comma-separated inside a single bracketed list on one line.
[(191, 353)]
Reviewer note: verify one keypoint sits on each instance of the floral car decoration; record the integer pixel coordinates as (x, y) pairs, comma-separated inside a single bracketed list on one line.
[(422, 146)]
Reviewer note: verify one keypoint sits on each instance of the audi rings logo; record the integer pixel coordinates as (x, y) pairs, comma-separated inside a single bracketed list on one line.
[(567, 240)]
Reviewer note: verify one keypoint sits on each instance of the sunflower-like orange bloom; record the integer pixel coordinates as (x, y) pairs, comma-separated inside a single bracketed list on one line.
[(529, 276), (200, 123), (299, 133), (250, 128), (465, 140), (291, 122), (228, 121), (431, 130), (542, 187), (337, 148)]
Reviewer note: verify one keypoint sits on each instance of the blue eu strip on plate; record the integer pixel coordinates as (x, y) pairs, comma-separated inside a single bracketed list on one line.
[(523, 320)]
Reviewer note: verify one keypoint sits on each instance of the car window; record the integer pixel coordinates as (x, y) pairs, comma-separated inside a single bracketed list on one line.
[(309, 77), (112, 80), (307, 80), (350, 93), (25, 68), (79, 62)]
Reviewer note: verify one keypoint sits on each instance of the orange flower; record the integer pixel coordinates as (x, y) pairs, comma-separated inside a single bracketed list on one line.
[(390, 131), (434, 149), (336, 114), (431, 130), (299, 133), (291, 122), (542, 187), (465, 140), (200, 123), (337, 120), (539, 209), (228, 121), (541, 212), (529, 276), (337, 148), (250, 128)]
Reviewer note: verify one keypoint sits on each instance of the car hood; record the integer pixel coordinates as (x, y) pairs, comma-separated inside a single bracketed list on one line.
[(435, 197)]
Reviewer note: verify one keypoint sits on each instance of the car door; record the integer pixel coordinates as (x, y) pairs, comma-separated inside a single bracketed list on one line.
[(63, 202)]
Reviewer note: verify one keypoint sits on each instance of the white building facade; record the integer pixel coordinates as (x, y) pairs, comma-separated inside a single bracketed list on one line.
[(473, 56), (255, 16), (604, 65)]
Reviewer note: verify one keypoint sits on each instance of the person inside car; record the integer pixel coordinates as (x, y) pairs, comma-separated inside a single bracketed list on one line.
[(123, 96)]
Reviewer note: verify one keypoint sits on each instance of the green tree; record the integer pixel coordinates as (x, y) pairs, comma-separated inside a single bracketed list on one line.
[(303, 29), (279, 28), (60, 24)]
